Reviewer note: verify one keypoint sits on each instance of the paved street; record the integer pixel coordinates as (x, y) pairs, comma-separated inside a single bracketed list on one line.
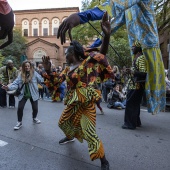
[(36, 147)]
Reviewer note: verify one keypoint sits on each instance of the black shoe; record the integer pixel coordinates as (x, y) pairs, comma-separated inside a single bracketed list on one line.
[(65, 140), (128, 127), (105, 166), (139, 125)]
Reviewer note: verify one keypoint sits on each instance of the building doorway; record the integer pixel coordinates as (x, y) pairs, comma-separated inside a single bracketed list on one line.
[(37, 57)]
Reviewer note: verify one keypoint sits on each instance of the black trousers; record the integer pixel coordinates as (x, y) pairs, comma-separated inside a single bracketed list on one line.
[(11, 100), (132, 111), (3, 102), (3, 98), (41, 92), (21, 106), (105, 92)]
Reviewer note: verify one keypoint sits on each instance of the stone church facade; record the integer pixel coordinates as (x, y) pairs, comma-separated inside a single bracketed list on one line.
[(40, 27)]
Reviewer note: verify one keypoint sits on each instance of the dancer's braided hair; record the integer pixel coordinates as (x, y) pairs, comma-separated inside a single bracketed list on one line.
[(78, 50)]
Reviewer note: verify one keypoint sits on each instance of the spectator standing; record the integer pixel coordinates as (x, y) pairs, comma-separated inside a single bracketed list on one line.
[(8, 75), (107, 87), (136, 87), (40, 86)]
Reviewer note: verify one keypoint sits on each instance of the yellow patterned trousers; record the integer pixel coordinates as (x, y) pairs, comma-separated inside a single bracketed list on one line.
[(79, 120)]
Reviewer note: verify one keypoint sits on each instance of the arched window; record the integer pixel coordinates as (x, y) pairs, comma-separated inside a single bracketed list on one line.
[(45, 27), (25, 28), (64, 19), (35, 27), (55, 26)]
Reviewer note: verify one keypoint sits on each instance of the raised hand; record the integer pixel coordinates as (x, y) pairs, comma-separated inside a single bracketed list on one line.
[(105, 25), (106, 28), (70, 22), (46, 63)]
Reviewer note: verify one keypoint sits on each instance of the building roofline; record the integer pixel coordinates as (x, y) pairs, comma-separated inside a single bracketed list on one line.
[(46, 9), (43, 41)]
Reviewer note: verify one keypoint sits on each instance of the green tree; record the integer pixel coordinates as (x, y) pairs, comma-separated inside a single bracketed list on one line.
[(85, 5), (15, 50), (123, 58), (14, 59), (162, 8), (1, 59)]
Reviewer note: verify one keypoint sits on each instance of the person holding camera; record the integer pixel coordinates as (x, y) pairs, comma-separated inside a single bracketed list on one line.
[(30, 78)]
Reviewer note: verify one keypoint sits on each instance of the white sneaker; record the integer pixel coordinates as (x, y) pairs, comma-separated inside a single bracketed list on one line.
[(18, 126), (102, 112), (37, 121)]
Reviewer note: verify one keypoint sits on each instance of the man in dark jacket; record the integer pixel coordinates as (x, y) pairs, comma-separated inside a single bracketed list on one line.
[(8, 74)]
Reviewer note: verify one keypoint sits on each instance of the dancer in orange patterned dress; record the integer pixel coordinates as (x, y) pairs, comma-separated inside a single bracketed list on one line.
[(78, 119)]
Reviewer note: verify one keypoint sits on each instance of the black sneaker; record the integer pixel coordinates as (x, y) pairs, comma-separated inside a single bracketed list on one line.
[(18, 126), (128, 127), (105, 166), (65, 140)]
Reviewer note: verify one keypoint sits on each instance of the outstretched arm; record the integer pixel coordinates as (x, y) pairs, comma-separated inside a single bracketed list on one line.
[(76, 19)]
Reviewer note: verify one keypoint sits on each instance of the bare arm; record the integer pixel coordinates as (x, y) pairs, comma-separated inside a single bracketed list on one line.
[(76, 19), (106, 28)]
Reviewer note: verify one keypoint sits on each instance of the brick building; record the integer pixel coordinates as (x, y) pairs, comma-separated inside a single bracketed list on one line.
[(164, 38), (40, 28)]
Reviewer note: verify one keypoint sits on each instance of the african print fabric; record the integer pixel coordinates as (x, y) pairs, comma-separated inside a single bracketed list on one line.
[(79, 117), (139, 64), (155, 82), (79, 120)]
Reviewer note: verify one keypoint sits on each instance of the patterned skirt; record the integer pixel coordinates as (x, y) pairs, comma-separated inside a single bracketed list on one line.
[(155, 81), (79, 120)]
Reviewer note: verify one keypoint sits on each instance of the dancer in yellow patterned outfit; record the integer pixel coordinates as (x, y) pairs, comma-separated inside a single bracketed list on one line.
[(78, 119)]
